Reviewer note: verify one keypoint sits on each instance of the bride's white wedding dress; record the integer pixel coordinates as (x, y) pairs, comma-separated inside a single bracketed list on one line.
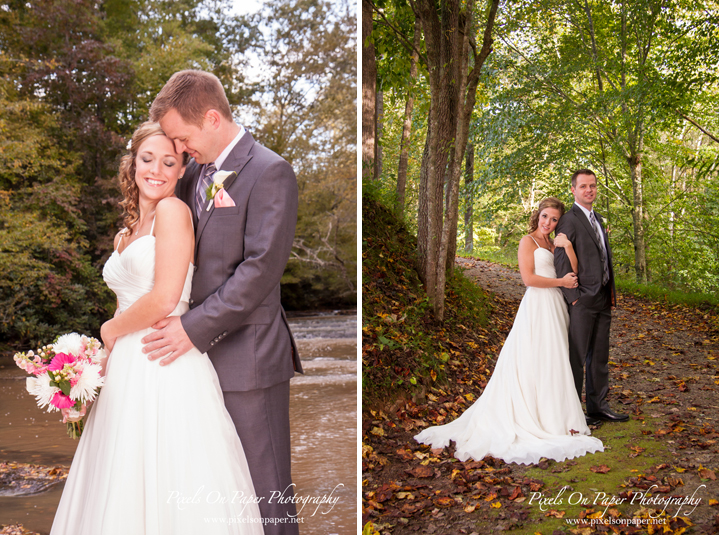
[(529, 409), (159, 453)]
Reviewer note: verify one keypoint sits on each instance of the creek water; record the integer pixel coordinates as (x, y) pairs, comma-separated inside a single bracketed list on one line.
[(323, 415)]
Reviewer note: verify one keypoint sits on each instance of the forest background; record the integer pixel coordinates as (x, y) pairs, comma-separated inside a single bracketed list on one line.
[(528, 91), (78, 76)]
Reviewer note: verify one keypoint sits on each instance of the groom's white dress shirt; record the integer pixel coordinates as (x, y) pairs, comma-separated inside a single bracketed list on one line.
[(222, 157)]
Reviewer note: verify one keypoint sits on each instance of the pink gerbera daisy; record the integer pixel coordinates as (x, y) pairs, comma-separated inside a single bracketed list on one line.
[(59, 361), (61, 401)]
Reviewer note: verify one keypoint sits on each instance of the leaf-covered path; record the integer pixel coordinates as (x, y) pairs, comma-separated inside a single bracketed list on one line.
[(664, 362)]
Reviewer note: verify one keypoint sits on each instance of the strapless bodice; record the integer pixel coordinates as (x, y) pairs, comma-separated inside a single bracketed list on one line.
[(132, 274), (544, 263)]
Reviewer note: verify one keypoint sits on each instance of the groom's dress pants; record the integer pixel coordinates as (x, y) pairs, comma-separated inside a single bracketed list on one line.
[(589, 349), (262, 419)]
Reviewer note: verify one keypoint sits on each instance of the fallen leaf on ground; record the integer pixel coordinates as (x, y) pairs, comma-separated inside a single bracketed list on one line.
[(601, 469), (554, 513), (421, 471)]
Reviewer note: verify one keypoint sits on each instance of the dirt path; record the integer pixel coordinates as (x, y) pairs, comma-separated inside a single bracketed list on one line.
[(664, 366), (501, 280)]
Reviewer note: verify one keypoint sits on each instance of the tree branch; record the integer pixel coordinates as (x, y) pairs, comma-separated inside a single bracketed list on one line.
[(680, 114), (408, 45)]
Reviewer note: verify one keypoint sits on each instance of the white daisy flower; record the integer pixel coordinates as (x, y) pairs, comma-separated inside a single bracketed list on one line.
[(70, 344), (40, 388), (97, 357), (87, 384)]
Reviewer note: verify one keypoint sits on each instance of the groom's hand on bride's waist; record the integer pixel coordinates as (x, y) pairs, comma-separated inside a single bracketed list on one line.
[(169, 341)]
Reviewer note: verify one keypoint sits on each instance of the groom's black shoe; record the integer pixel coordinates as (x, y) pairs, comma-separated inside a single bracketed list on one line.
[(593, 421), (609, 415)]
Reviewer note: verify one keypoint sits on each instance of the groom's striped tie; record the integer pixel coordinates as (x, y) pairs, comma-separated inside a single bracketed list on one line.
[(202, 187), (605, 264)]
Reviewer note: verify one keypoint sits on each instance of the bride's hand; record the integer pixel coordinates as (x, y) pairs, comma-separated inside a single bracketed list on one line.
[(569, 281), (561, 240), (106, 339), (71, 415)]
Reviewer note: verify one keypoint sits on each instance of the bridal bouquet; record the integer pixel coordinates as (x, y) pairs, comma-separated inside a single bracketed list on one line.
[(65, 375)]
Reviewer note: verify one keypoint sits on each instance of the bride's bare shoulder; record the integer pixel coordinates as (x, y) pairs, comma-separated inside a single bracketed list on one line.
[(172, 213), (173, 208)]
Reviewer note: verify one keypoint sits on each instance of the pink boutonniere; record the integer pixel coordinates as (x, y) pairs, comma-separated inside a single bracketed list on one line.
[(218, 182), (223, 199)]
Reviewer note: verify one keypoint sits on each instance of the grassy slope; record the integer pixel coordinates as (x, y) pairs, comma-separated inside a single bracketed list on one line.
[(404, 351)]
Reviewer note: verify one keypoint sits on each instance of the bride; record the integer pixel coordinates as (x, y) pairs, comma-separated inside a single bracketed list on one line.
[(530, 407), (159, 453)]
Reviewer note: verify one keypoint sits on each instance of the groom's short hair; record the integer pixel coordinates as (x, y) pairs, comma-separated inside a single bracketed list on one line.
[(191, 93), (582, 172)]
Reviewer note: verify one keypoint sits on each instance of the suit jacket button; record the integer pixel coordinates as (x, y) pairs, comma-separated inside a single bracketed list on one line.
[(212, 343), (192, 301), (224, 333)]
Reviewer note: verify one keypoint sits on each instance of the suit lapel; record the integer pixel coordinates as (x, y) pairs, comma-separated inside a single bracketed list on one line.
[(191, 194), (235, 161), (185, 189), (587, 225), (604, 232)]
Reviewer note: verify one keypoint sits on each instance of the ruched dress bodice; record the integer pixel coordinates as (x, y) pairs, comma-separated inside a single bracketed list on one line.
[(544, 263), (131, 274)]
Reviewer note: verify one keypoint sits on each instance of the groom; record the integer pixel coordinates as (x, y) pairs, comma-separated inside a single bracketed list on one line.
[(590, 304), (241, 248)]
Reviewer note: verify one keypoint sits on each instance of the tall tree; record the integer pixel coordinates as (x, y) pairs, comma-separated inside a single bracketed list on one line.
[(469, 208), (454, 64), (407, 124), (369, 92)]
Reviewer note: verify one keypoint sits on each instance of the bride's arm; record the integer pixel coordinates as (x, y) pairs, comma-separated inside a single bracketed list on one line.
[(561, 240), (174, 245), (526, 269)]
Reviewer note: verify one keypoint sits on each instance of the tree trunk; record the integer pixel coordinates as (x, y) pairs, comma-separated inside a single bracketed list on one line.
[(379, 112), (469, 200), (369, 88), (437, 31), (407, 127), (448, 31), (453, 87), (640, 252), (424, 243)]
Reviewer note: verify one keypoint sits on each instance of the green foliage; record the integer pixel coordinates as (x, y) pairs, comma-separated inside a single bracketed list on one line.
[(660, 294), (48, 286), (547, 114)]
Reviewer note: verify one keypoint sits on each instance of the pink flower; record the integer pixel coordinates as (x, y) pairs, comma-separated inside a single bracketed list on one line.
[(59, 361), (61, 401), (72, 415), (222, 199), (38, 371)]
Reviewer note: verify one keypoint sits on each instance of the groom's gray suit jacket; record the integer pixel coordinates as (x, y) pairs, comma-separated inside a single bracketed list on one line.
[(240, 254), (579, 231)]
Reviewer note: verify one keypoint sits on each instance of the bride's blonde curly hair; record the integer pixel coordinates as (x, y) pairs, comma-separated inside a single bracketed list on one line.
[(549, 202), (131, 193)]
